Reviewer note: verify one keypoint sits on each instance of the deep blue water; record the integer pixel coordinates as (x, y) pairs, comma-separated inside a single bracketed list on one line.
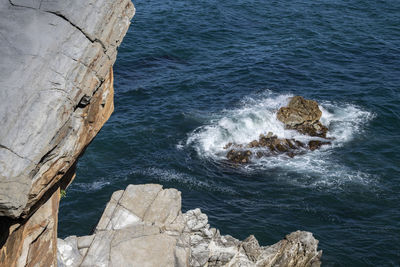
[(193, 75)]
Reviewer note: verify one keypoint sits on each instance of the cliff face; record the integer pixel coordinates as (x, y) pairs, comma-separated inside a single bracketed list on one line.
[(56, 92), (56, 67)]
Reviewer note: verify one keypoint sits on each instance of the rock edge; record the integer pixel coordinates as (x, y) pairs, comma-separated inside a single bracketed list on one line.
[(143, 226)]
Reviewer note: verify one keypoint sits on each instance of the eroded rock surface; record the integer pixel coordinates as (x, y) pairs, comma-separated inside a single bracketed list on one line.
[(266, 146), (56, 93), (302, 115), (33, 242), (144, 226), (57, 89), (299, 111)]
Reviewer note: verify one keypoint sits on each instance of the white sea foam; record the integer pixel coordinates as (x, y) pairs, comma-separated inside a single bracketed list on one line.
[(257, 115)]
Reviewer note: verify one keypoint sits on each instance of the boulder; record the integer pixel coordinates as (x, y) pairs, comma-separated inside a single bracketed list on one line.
[(299, 111), (303, 116), (315, 144), (311, 129), (138, 204), (68, 252), (175, 239), (239, 156)]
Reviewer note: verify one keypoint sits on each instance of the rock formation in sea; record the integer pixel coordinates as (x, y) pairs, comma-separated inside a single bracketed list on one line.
[(56, 93), (302, 115), (143, 226)]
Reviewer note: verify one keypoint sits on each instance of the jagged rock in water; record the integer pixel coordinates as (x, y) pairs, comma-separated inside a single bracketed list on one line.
[(56, 93), (302, 115), (315, 144), (275, 144), (144, 226), (239, 156), (299, 111), (296, 249), (272, 146), (269, 145), (311, 129)]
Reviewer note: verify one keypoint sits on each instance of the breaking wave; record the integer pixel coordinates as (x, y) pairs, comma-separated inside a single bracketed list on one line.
[(257, 115)]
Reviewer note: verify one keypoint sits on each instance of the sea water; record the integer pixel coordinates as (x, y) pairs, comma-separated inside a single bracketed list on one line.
[(192, 76)]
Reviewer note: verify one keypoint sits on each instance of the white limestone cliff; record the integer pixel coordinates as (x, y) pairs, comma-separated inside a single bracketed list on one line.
[(56, 82)]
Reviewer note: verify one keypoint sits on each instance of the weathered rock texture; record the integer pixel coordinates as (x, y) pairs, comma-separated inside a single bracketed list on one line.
[(303, 115), (56, 92), (56, 82), (144, 226), (33, 242)]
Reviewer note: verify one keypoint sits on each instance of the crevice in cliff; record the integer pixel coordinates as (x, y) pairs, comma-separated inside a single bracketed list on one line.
[(95, 40), (46, 157), (5, 224), (38, 236), (148, 207), (15, 153), (62, 183), (85, 100), (11, 3), (73, 25)]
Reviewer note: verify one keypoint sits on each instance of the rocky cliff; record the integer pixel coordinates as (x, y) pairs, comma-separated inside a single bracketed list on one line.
[(56, 92), (143, 226)]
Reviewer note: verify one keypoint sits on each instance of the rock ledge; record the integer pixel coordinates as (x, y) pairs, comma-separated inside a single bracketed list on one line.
[(143, 226)]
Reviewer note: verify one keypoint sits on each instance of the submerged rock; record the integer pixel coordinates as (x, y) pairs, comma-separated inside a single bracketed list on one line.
[(161, 235)]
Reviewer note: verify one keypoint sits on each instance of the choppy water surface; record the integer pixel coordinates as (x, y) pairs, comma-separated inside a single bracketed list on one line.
[(192, 76)]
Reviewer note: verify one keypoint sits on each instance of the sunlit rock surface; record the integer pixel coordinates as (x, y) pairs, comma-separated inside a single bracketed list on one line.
[(144, 226), (56, 93)]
